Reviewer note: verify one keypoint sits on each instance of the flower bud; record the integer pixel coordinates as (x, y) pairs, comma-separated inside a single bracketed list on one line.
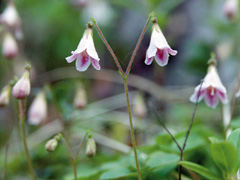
[(231, 9), (9, 47), (80, 100), (51, 145), (5, 95), (91, 147), (38, 109), (22, 88), (139, 107)]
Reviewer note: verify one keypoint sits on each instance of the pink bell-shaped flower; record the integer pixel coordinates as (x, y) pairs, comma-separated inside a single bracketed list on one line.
[(212, 89), (158, 48), (85, 53), (231, 9), (10, 47), (22, 88), (38, 110)]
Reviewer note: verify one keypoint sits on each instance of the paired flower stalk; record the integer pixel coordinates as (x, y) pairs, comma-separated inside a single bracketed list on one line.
[(86, 54)]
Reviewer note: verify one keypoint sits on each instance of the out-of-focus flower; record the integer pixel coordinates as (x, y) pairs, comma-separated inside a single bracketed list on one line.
[(139, 107), (5, 96), (10, 47), (80, 100), (85, 53), (11, 19), (38, 109), (212, 89), (22, 88), (238, 93), (231, 9), (51, 145), (79, 3), (158, 48), (91, 147)]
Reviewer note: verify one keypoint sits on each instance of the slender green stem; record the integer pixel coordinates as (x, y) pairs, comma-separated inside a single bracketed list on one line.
[(136, 48), (75, 169), (22, 119), (132, 130), (108, 47)]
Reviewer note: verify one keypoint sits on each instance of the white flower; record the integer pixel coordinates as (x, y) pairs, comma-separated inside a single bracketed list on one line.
[(158, 48), (38, 109), (85, 53), (212, 89), (10, 47), (231, 8), (5, 95), (238, 93)]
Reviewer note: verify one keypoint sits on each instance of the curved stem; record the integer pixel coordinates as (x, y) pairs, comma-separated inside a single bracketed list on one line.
[(136, 48), (109, 48), (22, 119), (132, 130)]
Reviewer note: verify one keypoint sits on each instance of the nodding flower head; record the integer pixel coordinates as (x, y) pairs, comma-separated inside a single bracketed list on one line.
[(38, 109), (212, 89), (85, 54), (231, 9), (10, 47), (22, 88), (158, 48)]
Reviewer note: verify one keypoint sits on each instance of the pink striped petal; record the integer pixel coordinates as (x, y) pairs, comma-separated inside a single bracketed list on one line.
[(162, 57), (83, 62), (211, 98), (71, 58), (223, 97), (95, 64)]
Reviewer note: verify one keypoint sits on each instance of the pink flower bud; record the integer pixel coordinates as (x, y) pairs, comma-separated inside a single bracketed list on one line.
[(38, 110), (5, 95), (10, 47), (22, 88), (51, 145), (231, 9), (91, 147), (80, 100), (139, 107)]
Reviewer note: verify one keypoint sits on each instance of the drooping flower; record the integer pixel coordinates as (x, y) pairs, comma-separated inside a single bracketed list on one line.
[(10, 47), (80, 99), (51, 145), (5, 96), (212, 89), (158, 48), (38, 109), (91, 147), (22, 88), (85, 53), (231, 9), (10, 18)]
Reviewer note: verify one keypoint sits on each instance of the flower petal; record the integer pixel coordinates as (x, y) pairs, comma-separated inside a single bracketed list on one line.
[(223, 97), (83, 62), (95, 64), (162, 57), (211, 99), (148, 61), (71, 58), (172, 52), (91, 48)]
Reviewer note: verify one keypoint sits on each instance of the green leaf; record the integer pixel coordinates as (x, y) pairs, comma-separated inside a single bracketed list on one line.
[(213, 139), (161, 163), (200, 170), (119, 174), (234, 139), (224, 155)]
